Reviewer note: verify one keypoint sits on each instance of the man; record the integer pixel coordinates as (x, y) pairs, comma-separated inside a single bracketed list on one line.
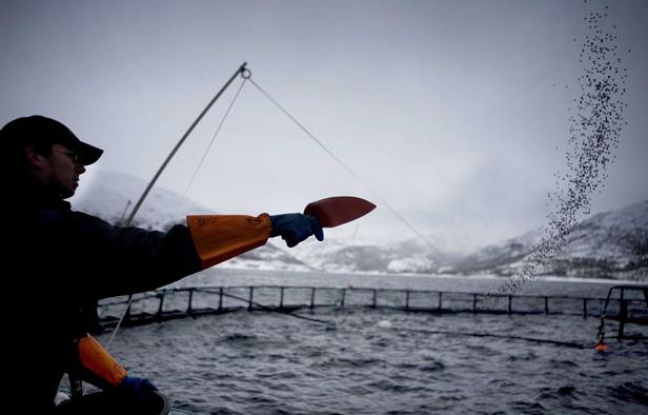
[(61, 260)]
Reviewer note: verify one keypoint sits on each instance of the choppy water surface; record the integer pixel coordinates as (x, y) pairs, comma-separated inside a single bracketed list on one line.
[(387, 362)]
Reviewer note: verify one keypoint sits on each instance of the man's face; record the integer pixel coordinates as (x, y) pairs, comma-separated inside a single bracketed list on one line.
[(62, 170)]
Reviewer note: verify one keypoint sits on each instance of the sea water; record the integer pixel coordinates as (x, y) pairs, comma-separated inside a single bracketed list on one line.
[(384, 361)]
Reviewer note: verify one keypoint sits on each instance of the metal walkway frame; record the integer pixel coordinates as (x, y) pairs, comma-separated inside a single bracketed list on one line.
[(623, 303)]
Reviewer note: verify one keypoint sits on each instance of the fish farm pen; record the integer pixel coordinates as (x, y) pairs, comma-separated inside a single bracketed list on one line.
[(625, 304)]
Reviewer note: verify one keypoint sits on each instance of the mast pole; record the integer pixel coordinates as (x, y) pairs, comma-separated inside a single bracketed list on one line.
[(241, 70)]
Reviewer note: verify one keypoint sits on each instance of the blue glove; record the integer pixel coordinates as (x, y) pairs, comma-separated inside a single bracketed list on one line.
[(295, 227), (140, 387)]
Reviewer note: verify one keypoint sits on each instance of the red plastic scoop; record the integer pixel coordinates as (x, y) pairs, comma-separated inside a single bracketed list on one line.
[(338, 210)]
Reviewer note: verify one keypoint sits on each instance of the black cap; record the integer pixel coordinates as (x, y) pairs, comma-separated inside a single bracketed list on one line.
[(39, 130)]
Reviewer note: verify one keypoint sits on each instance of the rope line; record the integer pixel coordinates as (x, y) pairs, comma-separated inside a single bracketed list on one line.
[(275, 310), (218, 129), (119, 323), (184, 411), (497, 336)]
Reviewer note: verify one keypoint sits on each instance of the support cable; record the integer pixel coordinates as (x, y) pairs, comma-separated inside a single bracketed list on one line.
[(211, 143), (348, 169)]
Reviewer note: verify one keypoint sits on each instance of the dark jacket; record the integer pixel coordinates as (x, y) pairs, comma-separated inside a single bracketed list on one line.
[(60, 261)]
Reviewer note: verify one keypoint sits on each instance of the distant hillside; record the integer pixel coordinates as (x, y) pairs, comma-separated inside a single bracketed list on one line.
[(112, 196), (606, 245)]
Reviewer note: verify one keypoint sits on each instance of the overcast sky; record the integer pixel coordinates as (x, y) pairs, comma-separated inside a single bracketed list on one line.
[(452, 116)]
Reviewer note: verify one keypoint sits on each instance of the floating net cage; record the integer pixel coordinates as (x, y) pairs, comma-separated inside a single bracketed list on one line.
[(624, 304)]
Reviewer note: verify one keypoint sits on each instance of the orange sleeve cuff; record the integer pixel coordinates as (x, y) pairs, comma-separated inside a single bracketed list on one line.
[(97, 362), (218, 238)]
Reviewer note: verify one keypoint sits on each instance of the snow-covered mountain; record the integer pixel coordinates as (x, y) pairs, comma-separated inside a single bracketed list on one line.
[(610, 245), (606, 245), (112, 196)]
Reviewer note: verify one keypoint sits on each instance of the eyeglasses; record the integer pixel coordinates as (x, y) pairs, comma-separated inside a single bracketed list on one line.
[(71, 154)]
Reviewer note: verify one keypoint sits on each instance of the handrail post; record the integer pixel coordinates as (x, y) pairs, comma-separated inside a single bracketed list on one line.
[(161, 297), (623, 316)]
